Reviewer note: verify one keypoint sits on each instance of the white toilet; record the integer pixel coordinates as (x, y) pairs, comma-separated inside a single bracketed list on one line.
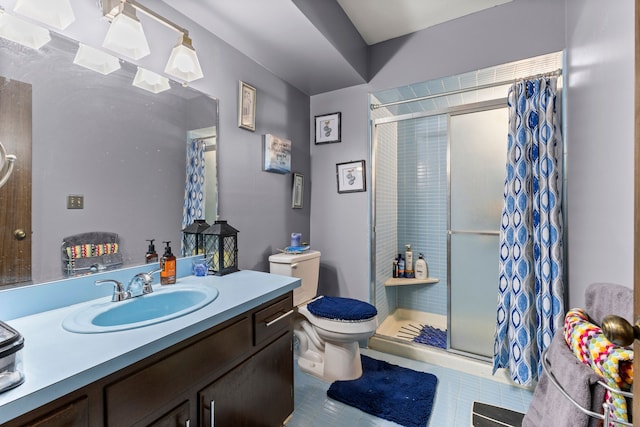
[(327, 328)]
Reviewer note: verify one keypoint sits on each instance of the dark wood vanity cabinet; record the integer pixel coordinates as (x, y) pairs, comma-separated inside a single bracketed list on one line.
[(241, 370)]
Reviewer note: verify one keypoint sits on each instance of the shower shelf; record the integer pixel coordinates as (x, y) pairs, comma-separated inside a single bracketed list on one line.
[(405, 282)]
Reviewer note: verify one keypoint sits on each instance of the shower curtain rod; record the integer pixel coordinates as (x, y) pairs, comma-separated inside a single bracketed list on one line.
[(557, 72)]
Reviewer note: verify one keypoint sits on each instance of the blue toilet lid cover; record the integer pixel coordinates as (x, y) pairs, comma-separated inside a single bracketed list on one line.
[(341, 308)]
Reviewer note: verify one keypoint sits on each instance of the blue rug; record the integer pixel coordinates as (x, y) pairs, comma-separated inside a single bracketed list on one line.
[(388, 391)]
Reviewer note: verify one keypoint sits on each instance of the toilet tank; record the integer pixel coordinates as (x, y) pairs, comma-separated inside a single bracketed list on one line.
[(304, 266)]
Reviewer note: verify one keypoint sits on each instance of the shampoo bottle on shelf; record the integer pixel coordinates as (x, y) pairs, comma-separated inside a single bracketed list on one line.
[(400, 266), (151, 255), (408, 262), (167, 266), (422, 271)]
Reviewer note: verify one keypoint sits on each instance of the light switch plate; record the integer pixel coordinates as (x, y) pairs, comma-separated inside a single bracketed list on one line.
[(75, 202)]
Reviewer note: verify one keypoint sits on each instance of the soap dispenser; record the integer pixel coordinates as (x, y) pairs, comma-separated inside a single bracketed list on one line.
[(152, 255), (422, 270), (167, 266)]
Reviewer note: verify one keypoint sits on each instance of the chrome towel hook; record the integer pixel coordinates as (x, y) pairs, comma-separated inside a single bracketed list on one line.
[(6, 165)]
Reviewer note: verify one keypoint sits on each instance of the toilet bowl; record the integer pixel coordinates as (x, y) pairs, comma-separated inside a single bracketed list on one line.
[(328, 347), (327, 329)]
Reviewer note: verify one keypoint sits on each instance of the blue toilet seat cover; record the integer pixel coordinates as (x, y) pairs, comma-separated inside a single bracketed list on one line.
[(342, 309)]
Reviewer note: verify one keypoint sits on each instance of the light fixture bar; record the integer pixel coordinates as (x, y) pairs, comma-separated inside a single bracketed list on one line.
[(110, 10)]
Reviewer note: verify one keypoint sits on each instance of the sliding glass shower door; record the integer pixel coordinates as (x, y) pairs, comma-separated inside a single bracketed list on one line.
[(477, 156)]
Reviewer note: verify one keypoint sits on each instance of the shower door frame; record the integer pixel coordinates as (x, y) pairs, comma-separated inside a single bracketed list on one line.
[(457, 110), (486, 106)]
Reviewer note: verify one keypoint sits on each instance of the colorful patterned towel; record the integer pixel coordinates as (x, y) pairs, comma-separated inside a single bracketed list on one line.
[(613, 363), (91, 250)]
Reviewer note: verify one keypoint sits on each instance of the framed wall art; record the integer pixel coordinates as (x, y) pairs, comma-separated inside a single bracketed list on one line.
[(351, 177), (247, 106), (277, 154), (328, 128), (297, 192)]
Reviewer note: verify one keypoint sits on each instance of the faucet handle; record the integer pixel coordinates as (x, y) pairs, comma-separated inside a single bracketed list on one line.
[(119, 294), (147, 279)]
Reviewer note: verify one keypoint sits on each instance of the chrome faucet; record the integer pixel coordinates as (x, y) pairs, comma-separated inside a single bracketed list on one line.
[(140, 281)]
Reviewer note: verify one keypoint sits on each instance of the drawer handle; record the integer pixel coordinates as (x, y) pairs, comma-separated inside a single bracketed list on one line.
[(213, 418), (277, 319)]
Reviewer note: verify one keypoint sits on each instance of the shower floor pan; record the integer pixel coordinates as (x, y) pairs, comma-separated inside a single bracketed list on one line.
[(390, 338)]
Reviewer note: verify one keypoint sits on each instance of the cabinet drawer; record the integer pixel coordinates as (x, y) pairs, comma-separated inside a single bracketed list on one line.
[(272, 320), (140, 394)]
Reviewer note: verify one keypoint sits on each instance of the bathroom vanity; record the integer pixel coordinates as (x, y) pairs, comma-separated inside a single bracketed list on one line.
[(229, 363)]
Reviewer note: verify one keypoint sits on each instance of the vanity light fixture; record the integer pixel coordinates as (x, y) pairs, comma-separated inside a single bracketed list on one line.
[(56, 13), (183, 63), (23, 32), (150, 81), (125, 35), (96, 60)]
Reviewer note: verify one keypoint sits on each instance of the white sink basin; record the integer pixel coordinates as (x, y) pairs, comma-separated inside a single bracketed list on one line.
[(162, 305)]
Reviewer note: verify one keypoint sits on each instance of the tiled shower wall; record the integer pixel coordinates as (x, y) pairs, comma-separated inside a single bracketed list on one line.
[(411, 208)]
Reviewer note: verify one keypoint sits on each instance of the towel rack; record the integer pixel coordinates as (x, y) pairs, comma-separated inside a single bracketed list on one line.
[(607, 408)]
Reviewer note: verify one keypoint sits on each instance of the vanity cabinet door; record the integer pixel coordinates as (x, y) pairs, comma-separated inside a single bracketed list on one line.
[(74, 414), (156, 388), (177, 417), (257, 393)]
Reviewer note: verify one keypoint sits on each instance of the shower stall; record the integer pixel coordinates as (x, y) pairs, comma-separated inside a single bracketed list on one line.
[(438, 167)]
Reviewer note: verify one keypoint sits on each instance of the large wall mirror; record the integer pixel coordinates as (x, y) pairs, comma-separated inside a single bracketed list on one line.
[(77, 132)]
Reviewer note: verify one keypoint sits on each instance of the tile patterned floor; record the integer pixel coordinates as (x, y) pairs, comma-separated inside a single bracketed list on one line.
[(452, 408)]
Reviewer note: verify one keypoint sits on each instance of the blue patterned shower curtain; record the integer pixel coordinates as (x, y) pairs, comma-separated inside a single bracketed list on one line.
[(531, 289), (193, 206)]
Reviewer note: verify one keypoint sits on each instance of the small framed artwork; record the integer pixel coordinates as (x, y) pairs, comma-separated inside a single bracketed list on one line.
[(328, 128), (297, 193), (247, 107), (351, 177), (277, 154)]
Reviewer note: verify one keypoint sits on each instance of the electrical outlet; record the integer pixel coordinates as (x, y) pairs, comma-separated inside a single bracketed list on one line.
[(75, 202)]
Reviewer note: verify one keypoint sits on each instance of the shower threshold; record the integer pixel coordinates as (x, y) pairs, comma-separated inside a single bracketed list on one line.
[(391, 337)]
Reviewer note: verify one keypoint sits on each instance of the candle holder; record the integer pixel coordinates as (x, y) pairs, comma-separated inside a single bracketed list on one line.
[(221, 248), (192, 238)]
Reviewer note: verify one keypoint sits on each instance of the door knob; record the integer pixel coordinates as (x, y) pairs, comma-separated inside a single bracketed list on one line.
[(620, 332), (19, 234)]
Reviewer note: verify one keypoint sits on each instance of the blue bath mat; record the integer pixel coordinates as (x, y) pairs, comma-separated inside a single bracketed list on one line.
[(388, 391)]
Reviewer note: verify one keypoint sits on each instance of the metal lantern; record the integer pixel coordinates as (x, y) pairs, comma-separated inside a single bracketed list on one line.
[(192, 238), (221, 248)]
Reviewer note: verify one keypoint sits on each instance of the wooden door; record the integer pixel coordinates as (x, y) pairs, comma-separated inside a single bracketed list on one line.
[(15, 195)]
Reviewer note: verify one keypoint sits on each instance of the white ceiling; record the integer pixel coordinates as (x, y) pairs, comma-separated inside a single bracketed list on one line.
[(380, 20), (317, 57)]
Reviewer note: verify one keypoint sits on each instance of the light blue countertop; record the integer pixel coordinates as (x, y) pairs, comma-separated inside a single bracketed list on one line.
[(56, 362)]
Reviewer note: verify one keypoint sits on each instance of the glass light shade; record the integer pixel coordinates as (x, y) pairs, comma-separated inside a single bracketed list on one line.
[(56, 13), (22, 32), (96, 60), (148, 80), (183, 62), (126, 36)]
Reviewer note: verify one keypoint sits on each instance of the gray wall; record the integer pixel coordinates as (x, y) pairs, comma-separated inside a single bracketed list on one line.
[(257, 203), (599, 119), (600, 143)]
